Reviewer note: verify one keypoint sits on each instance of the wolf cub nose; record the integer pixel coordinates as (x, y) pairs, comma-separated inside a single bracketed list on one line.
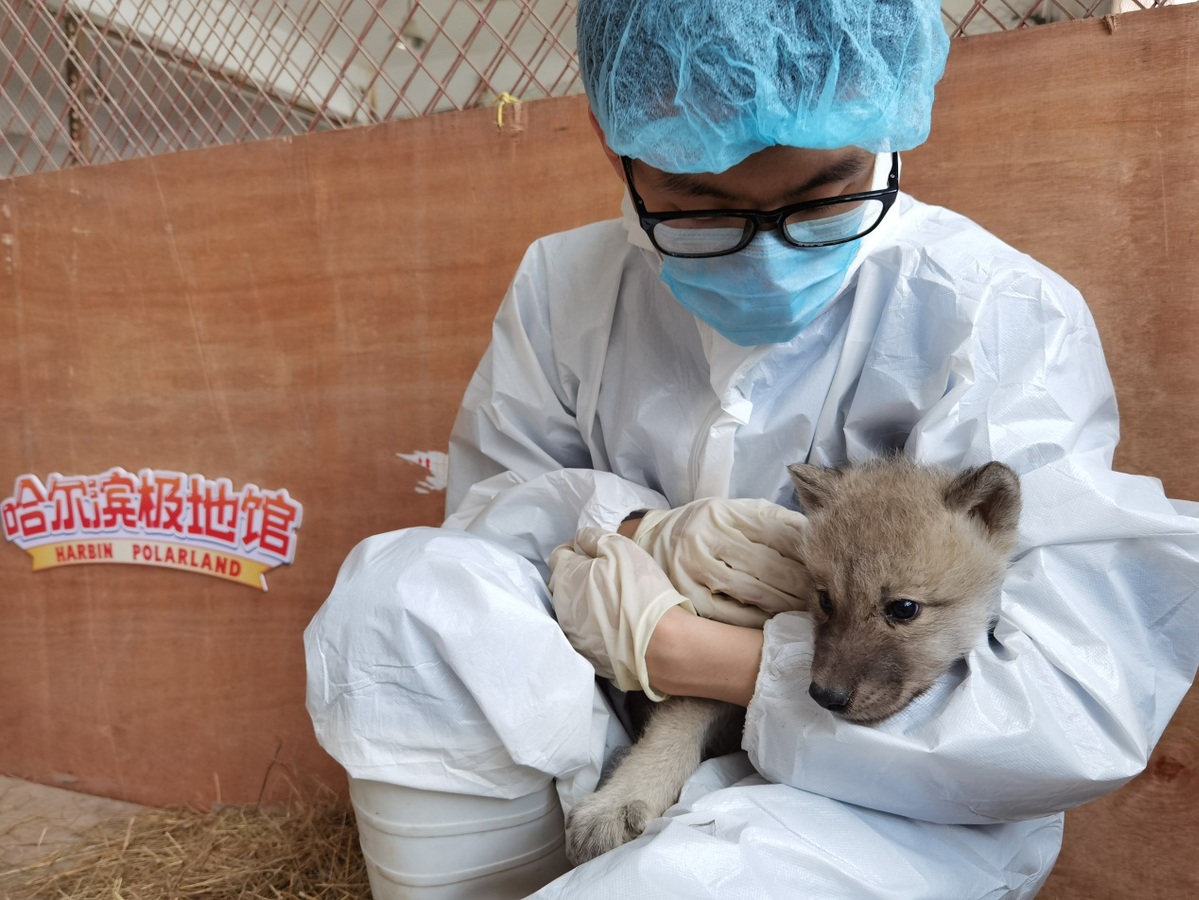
[(831, 699)]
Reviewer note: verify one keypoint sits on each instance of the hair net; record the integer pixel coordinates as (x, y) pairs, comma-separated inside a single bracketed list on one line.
[(698, 85)]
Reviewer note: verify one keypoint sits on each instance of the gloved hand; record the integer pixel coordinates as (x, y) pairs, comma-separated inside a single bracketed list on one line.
[(608, 595), (715, 549)]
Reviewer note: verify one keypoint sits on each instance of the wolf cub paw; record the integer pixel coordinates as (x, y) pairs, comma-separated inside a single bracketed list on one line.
[(603, 822)]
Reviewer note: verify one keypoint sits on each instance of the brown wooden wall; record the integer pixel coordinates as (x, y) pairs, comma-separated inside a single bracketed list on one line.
[(293, 314), (289, 314)]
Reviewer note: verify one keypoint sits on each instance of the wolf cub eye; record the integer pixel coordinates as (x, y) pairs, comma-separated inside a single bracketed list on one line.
[(903, 610), (826, 602)]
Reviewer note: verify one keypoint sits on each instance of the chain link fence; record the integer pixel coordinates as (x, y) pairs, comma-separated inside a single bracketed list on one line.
[(93, 81)]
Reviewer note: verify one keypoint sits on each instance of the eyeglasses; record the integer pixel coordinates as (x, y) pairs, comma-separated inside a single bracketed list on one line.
[(695, 234)]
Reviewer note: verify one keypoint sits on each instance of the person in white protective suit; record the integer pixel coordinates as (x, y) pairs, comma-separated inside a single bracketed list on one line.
[(753, 309)]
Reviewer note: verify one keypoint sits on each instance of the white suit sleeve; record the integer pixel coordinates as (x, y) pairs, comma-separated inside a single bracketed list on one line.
[(1098, 636), (521, 474)]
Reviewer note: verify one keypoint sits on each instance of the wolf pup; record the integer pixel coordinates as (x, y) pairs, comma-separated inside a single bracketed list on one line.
[(905, 564)]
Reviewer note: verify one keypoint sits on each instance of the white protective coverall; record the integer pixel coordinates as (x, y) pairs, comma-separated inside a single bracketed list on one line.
[(436, 664)]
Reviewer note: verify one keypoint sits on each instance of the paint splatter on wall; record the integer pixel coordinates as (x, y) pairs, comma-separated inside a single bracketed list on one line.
[(436, 466)]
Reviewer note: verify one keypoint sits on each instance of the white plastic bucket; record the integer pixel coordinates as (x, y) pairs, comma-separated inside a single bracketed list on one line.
[(421, 845)]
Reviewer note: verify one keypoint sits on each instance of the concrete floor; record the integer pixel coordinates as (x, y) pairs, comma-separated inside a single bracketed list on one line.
[(36, 820)]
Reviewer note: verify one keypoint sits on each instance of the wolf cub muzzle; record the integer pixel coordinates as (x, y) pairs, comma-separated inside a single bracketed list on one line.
[(905, 563)]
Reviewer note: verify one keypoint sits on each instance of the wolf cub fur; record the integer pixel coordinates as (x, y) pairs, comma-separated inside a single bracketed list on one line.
[(904, 566)]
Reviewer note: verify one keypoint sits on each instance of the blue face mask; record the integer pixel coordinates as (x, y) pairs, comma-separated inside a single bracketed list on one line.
[(766, 293)]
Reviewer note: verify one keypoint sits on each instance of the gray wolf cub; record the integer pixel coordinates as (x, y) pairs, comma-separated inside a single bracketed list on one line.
[(904, 564)]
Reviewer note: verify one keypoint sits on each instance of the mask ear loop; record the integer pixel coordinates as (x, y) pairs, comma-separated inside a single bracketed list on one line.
[(882, 170), (632, 225)]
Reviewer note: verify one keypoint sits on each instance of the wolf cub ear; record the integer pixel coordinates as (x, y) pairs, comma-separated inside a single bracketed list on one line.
[(814, 485), (990, 493)]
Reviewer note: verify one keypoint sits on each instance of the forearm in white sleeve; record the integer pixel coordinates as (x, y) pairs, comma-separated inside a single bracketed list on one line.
[(535, 516)]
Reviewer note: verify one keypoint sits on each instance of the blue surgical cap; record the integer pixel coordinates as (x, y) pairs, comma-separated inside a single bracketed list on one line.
[(698, 85)]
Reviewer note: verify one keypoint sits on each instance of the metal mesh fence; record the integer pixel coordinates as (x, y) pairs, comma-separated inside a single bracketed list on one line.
[(91, 81)]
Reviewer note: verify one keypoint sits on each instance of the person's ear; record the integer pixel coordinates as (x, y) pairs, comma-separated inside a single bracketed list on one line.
[(613, 159)]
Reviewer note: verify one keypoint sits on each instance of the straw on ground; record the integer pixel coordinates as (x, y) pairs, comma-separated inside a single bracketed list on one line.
[(244, 852)]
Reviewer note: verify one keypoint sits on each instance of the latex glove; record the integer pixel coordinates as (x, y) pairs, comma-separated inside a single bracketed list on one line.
[(717, 552), (608, 595)]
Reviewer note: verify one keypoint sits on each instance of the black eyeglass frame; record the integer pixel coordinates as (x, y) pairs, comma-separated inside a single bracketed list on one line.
[(757, 219)]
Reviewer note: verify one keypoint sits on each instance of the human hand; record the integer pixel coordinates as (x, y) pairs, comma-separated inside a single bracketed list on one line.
[(608, 595), (733, 559)]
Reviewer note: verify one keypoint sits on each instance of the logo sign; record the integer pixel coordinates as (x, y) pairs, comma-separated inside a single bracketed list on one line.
[(153, 518)]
